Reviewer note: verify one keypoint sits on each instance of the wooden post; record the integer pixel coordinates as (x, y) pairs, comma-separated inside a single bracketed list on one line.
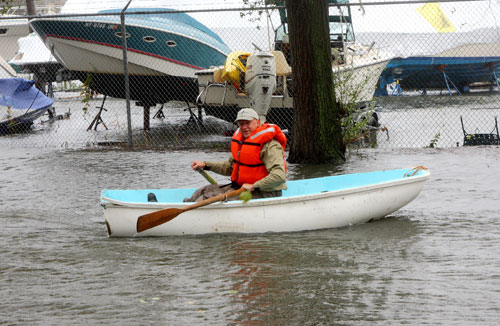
[(30, 10), (146, 117)]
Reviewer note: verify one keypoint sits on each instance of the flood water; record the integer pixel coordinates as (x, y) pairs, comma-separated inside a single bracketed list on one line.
[(410, 121), (436, 261)]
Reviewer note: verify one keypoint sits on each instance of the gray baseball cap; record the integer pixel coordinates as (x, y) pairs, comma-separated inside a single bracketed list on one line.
[(246, 114)]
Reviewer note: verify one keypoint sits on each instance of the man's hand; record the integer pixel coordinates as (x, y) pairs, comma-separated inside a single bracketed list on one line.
[(248, 186), (197, 165)]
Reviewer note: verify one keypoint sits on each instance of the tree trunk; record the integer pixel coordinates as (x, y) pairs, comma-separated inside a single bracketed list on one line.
[(317, 133), (30, 10), (30, 7)]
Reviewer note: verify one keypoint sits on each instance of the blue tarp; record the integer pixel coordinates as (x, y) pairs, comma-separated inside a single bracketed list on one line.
[(20, 93)]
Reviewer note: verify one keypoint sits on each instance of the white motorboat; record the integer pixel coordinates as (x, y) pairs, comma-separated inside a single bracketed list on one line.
[(356, 69), (165, 48), (14, 25), (20, 104)]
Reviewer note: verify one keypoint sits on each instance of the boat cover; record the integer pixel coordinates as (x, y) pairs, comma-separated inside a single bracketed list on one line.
[(235, 65), (20, 93)]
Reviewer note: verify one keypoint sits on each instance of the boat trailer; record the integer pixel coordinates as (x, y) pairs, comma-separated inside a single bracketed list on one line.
[(476, 139)]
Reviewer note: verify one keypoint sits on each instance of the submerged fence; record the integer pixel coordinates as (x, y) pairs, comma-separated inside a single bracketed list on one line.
[(437, 87)]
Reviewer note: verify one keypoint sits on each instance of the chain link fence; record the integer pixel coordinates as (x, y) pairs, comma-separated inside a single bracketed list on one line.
[(425, 74)]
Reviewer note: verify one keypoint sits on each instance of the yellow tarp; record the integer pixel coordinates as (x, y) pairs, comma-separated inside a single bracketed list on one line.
[(234, 66), (433, 13)]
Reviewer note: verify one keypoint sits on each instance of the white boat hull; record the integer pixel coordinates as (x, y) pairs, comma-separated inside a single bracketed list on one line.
[(15, 29), (6, 70), (330, 209), (91, 57), (354, 84)]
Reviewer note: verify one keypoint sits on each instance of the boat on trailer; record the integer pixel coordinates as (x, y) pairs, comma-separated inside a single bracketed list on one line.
[(223, 90), (308, 204), (21, 103), (166, 47)]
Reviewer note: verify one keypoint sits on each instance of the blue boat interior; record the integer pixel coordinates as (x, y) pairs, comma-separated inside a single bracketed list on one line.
[(295, 187)]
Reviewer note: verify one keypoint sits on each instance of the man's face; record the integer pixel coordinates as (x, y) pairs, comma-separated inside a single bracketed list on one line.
[(248, 126)]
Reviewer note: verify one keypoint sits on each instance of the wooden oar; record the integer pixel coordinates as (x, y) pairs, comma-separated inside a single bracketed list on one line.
[(148, 221), (207, 176)]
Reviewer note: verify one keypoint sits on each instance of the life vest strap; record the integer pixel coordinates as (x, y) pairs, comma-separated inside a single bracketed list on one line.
[(250, 165), (245, 143)]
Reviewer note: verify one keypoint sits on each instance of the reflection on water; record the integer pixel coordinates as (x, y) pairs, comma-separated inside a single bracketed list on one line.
[(319, 275), (433, 262)]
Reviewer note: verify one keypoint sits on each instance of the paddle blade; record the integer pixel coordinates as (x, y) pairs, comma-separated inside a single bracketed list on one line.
[(148, 221)]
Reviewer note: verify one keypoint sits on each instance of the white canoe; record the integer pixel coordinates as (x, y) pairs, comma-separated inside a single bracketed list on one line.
[(308, 204)]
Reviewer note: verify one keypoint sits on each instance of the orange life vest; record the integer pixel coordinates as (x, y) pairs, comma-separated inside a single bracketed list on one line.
[(248, 167)]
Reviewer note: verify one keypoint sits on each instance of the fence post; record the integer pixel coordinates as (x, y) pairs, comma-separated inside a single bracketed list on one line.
[(125, 74)]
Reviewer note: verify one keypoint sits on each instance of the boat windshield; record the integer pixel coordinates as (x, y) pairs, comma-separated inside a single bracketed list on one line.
[(339, 32), (281, 32), (340, 23)]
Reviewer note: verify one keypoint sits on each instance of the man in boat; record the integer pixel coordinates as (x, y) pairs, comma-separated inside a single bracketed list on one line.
[(257, 163)]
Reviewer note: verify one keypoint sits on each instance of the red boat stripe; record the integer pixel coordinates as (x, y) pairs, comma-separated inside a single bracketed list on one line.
[(129, 49)]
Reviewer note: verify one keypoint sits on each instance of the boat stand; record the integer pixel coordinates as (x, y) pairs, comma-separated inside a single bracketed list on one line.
[(196, 120), (447, 79), (98, 119), (496, 80), (159, 114), (397, 89)]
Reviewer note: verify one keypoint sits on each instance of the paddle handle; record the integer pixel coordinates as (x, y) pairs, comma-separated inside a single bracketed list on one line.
[(206, 176)]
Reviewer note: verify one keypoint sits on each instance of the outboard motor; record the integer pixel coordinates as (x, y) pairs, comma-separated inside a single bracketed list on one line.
[(260, 81)]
